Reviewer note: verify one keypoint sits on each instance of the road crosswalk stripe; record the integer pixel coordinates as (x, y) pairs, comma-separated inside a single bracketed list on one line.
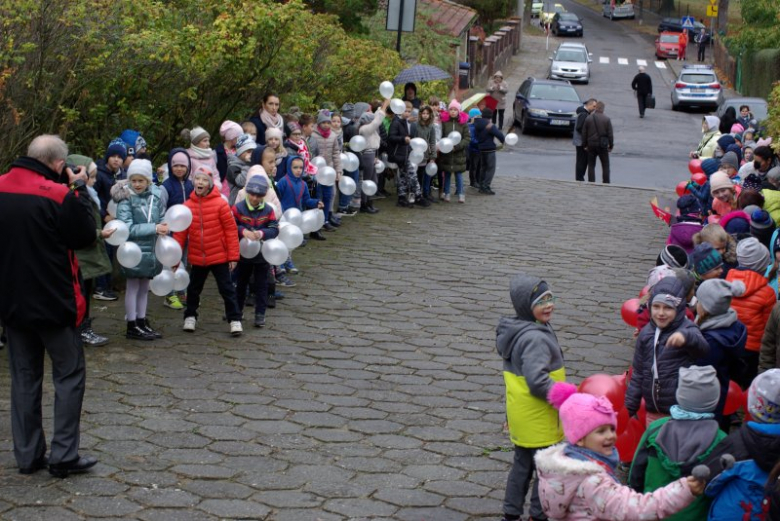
[(604, 59), (660, 65), (642, 63), (623, 61)]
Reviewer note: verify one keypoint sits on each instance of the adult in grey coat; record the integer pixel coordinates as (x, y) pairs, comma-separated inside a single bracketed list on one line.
[(598, 140)]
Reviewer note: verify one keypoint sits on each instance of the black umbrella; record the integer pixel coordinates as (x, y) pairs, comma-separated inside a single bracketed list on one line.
[(421, 73)]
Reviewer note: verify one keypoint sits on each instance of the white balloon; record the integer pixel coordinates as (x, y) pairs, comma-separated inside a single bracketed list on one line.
[(353, 163), (344, 160), (319, 162), (309, 222), (357, 143), (163, 283), (320, 218), (431, 169), (446, 145), (111, 208), (368, 187), (416, 157), (397, 106), (120, 236), (293, 216), (379, 167), (248, 248), (347, 185), (455, 137), (511, 139), (129, 255), (178, 217), (291, 236), (418, 144), (326, 176), (181, 279), (167, 251), (386, 89), (275, 252)]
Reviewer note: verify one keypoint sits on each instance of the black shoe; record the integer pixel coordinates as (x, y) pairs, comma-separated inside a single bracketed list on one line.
[(317, 236), (422, 202), (271, 301), (63, 470), (488, 191), (144, 325), (370, 209), (333, 222), (39, 464), (350, 211), (104, 294), (259, 320), (403, 203), (92, 339), (328, 227), (279, 295), (384, 192), (136, 333)]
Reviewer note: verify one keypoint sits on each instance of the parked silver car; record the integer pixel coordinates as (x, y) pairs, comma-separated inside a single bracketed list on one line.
[(697, 86), (571, 61)]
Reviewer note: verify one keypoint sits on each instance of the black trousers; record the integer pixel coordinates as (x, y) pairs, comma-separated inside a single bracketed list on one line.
[(641, 100), (581, 163), (221, 273), (26, 348), (603, 155), (498, 114), (474, 164), (701, 52), (259, 284)]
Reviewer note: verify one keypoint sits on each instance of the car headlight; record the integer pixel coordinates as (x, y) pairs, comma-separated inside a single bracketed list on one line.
[(539, 113)]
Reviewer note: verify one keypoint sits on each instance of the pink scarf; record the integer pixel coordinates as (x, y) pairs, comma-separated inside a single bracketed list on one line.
[(271, 121), (303, 152), (324, 132)]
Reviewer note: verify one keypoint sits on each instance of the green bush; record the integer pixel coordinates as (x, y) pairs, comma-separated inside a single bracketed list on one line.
[(759, 71), (87, 69)]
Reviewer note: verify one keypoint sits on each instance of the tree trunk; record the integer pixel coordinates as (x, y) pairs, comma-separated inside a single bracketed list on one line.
[(526, 14), (723, 16)]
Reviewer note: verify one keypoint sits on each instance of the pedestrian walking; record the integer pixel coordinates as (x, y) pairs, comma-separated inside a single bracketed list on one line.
[(581, 164), (701, 39), (643, 88), (45, 214), (599, 141)]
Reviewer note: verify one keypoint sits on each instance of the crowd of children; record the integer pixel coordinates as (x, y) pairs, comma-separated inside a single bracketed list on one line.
[(240, 189), (709, 320)]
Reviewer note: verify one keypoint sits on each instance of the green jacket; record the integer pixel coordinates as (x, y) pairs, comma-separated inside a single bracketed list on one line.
[(669, 450), (134, 211), (94, 261), (455, 161)]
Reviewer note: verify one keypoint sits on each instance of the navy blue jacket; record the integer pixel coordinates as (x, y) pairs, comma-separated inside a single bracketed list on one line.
[(178, 191), (485, 132), (292, 191), (105, 180), (727, 345), (260, 219), (222, 161)]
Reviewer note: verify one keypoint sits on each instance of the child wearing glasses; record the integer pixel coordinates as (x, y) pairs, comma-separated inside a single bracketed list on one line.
[(533, 362)]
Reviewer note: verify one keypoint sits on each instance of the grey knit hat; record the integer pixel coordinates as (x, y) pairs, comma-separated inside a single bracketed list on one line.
[(715, 295), (323, 116), (764, 397), (348, 110), (752, 255), (698, 389), (730, 159), (673, 256)]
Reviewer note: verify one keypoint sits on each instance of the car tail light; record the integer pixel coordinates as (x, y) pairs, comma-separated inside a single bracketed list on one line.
[(679, 85), (715, 86)]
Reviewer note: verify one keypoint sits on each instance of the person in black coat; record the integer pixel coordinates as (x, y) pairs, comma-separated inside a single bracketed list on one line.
[(643, 86)]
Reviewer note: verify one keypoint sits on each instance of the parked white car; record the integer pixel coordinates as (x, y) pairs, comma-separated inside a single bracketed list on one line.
[(618, 9), (571, 61)]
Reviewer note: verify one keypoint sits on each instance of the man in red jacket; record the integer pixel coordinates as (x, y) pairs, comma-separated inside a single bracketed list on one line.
[(45, 214), (213, 248)]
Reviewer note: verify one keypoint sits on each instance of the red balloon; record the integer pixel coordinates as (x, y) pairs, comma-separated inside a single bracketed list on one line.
[(644, 291), (604, 385), (682, 188), (733, 399), (628, 441), (694, 166), (629, 311), (622, 421), (699, 178)]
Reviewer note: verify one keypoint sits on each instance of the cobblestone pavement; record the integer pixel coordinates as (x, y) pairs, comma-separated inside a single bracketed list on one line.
[(375, 391)]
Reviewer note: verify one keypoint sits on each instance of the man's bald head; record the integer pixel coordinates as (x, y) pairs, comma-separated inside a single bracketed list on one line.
[(49, 149)]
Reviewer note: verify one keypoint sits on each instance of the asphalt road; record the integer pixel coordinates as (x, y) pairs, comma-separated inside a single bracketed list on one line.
[(649, 152)]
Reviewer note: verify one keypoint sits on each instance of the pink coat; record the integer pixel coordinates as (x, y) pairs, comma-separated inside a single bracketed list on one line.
[(271, 197), (570, 489)]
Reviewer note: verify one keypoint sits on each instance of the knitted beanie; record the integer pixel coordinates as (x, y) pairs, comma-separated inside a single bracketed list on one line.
[(348, 110), (140, 167), (761, 220), (274, 132), (580, 413), (180, 159), (736, 223), (257, 186), (774, 173), (764, 397), (730, 159), (720, 180), (204, 171), (752, 255), (710, 165), (698, 388), (673, 256), (244, 143), (116, 148), (454, 104), (736, 128), (475, 113), (197, 134), (715, 295), (323, 116), (705, 258), (130, 137), (230, 130), (658, 273), (689, 205), (487, 113), (751, 183)]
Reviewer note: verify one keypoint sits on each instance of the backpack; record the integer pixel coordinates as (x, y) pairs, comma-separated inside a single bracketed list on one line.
[(739, 494)]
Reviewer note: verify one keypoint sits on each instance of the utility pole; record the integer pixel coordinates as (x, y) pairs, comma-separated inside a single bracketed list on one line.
[(400, 27)]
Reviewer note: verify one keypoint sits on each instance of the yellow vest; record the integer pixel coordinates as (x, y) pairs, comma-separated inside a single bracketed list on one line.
[(533, 422)]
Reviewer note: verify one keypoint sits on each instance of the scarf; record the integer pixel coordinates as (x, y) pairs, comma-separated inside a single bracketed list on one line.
[(201, 153), (678, 413), (271, 121), (94, 195), (303, 152), (608, 463), (324, 132)]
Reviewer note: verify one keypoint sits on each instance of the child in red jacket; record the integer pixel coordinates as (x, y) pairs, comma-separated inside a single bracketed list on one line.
[(213, 247)]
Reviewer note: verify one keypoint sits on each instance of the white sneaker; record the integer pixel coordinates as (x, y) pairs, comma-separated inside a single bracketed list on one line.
[(462, 198), (235, 328), (446, 198), (189, 324)]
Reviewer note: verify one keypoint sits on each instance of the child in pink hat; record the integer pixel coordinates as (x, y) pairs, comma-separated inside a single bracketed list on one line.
[(577, 478)]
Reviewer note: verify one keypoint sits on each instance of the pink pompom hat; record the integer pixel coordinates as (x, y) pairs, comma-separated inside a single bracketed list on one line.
[(580, 413)]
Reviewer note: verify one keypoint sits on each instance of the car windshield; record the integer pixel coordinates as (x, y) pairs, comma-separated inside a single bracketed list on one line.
[(697, 78), (669, 38), (759, 110), (554, 93), (570, 55), (568, 17)]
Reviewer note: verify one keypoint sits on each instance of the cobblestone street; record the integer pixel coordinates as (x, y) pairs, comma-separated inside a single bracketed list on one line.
[(374, 392)]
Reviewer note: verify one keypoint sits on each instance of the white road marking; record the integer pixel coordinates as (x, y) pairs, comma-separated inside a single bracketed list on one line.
[(604, 59), (642, 63), (660, 65), (623, 61)]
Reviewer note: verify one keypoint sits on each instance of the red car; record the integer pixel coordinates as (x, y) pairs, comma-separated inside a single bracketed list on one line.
[(667, 44)]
